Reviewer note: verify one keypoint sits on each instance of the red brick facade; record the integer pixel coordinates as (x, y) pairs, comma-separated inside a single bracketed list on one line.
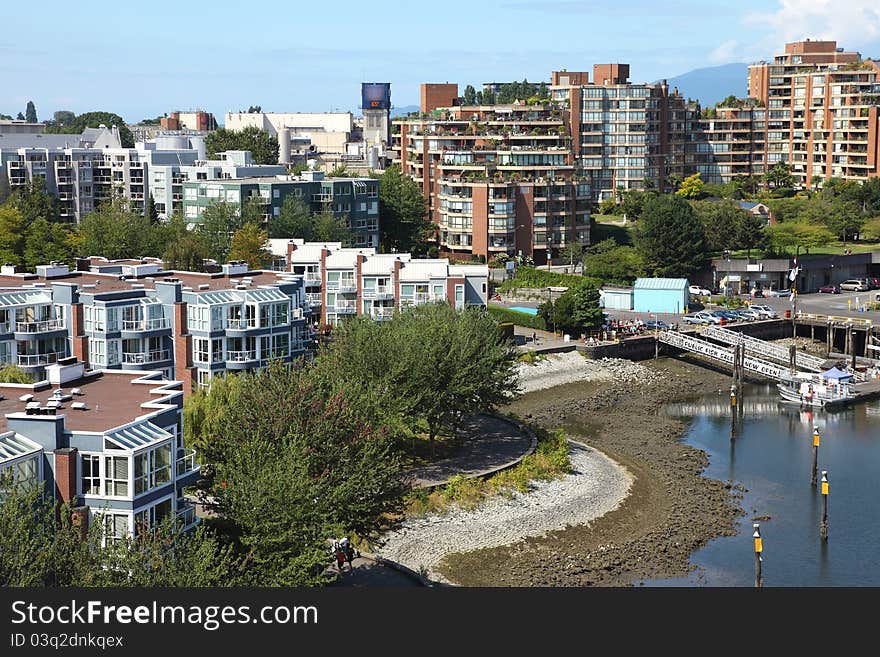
[(65, 474)]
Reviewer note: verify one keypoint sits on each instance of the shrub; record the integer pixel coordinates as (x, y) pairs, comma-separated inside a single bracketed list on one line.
[(518, 318)]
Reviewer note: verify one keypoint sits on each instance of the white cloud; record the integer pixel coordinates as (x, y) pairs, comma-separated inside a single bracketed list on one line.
[(727, 52), (854, 24)]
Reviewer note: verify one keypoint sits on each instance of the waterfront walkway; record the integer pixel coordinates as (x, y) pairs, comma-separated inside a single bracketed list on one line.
[(490, 443)]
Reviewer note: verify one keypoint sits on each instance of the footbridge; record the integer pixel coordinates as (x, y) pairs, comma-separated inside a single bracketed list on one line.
[(721, 354), (763, 349)]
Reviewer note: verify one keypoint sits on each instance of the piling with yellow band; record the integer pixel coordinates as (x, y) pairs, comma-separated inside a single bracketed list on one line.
[(759, 548), (815, 467), (823, 528)]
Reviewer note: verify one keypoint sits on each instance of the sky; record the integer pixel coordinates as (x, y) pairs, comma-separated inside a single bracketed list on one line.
[(141, 60)]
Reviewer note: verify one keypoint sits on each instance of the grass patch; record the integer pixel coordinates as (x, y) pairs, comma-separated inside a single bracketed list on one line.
[(620, 233), (531, 277), (531, 357), (549, 461)]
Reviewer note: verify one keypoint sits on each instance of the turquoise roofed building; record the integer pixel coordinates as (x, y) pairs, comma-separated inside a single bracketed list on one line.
[(661, 295)]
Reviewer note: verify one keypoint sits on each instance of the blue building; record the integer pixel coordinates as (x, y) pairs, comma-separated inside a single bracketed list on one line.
[(661, 295)]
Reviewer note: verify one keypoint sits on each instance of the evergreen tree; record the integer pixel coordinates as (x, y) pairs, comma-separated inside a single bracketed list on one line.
[(30, 114), (670, 237)]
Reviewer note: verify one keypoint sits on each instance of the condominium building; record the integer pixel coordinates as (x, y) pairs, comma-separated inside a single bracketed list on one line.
[(308, 132), (822, 111), (498, 179), (730, 142), (108, 443), (343, 282), (355, 199), (626, 135), (132, 315), (195, 120)]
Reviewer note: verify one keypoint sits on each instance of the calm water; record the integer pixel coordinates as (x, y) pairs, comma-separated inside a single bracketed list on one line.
[(771, 456)]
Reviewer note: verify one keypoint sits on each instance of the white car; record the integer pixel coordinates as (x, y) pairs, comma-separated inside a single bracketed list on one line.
[(701, 318), (766, 312), (777, 293), (696, 290)]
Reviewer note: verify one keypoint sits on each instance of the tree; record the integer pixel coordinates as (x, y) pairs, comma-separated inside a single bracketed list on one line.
[(586, 310), (30, 114), (573, 252), (45, 243), (63, 117), (608, 206), (691, 187), (251, 244), (871, 229), (12, 374), (185, 250), (816, 181), (219, 222), (150, 211), (94, 120), (34, 202), (633, 202), (428, 367), (327, 227), (751, 233), (611, 263), (339, 171), (19, 117), (779, 176), (13, 227), (673, 182), (309, 465), (470, 95), (403, 222), (575, 311), (670, 237), (262, 145), (116, 231), (294, 220), (722, 223)]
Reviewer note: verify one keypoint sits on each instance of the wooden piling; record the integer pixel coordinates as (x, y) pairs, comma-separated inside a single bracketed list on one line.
[(823, 528)]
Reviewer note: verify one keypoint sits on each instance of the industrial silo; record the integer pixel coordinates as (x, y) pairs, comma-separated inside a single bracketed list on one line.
[(284, 146)]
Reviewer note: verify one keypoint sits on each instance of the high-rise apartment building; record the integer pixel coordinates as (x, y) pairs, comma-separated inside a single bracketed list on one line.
[(498, 178), (822, 111), (728, 142)]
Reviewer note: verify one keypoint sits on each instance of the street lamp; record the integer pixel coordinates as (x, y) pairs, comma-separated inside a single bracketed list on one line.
[(552, 309)]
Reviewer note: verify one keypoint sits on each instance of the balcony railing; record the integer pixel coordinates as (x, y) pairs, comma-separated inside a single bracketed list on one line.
[(144, 324), (343, 307), (241, 324), (34, 360), (313, 277), (314, 298), (346, 286), (379, 292), (141, 357), (186, 516), (186, 463), (241, 356), (39, 327), (382, 313)]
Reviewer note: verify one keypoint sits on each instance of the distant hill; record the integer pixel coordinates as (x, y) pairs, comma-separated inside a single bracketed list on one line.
[(712, 84), (403, 110)]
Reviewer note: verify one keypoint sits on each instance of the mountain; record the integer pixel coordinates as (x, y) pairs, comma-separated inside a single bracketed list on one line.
[(403, 110), (712, 84)]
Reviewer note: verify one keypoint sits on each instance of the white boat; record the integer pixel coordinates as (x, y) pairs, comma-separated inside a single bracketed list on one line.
[(814, 391)]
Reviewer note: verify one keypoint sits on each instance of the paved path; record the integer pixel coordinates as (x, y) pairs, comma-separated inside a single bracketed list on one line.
[(490, 443), (369, 573)]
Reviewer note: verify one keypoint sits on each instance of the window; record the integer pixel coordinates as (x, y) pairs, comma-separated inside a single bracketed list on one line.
[(97, 352), (217, 350), (280, 314), (200, 350), (197, 317), (91, 474), (116, 476), (152, 469), (115, 527), (152, 517), (203, 378)]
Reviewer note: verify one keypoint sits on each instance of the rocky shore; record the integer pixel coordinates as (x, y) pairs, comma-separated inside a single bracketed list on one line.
[(671, 510)]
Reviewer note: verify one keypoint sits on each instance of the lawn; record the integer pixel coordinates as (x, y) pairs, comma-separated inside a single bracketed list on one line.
[(609, 228), (834, 248)]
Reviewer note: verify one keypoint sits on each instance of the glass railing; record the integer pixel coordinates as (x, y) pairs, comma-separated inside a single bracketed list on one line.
[(186, 463), (241, 356), (140, 357), (186, 516), (39, 327), (240, 324), (144, 324), (34, 360)]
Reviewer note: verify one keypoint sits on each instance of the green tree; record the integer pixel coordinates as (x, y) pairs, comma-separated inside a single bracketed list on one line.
[(608, 206), (12, 374), (115, 231), (722, 223), (262, 145), (45, 243), (251, 244), (30, 114), (218, 224), (34, 202), (470, 95), (586, 311), (751, 233), (779, 176), (150, 211), (94, 120), (870, 229), (327, 227), (185, 249), (673, 182), (63, 117), (611, 263), (572, 252), (308, 466), (403, 222), (13, 228), (294, 220), (670, 237), (633, 203), (691, 187)]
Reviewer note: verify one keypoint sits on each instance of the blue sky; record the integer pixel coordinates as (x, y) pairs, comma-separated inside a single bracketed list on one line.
[(142, 59)]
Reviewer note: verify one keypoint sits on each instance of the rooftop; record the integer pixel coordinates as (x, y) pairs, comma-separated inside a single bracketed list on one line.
[(113, 398)]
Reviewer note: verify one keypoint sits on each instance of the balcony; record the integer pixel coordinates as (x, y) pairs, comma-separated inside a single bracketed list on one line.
[(241, 356), (345, 287), (382, 314), (144, 324), (344, 307), (39, 327), (312, 277), (379, 292), (314, 298), (241, 324), (186, 517), (36, 360), (144, 357), (186, 464)]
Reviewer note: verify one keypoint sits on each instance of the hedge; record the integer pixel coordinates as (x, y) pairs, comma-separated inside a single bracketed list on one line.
[(539, 278), (518, 318)]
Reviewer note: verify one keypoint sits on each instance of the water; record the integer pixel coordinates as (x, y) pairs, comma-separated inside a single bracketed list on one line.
[(521, 309), (771, 456)]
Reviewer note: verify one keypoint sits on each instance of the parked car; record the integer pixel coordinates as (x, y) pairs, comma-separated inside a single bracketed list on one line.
[(829, 289), (777, 293), (699, 291), (658, 324), (726, 315), (766, 312), (701, 317), (854, 285), (748, 314), (873, 282)]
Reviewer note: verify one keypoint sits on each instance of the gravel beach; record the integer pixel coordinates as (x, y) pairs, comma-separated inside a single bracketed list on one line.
[(572, 367), (596, 486)]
